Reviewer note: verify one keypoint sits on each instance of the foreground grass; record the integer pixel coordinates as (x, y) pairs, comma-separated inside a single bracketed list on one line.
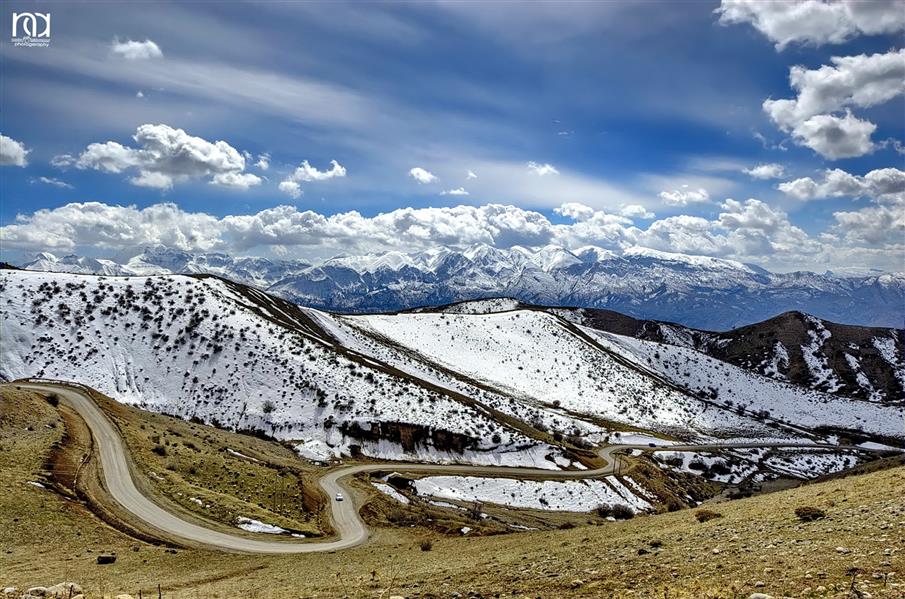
[(47, 539)]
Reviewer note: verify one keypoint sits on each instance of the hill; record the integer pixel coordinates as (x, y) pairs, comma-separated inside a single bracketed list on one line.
[(756, 545), (522, 387)]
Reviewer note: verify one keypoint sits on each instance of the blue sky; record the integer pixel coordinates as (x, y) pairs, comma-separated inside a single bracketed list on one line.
[(631, 104)]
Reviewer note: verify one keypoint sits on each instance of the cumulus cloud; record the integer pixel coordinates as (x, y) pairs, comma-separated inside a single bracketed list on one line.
[(886, 184), (12, 152), (132, 50), (459, 191), (756, 228), (874, 225), (53, 181), (815, 21), (636, 211), (290, 188), (766, 171), (575, 211), (684, 196), (470, 175), (307, 173), (836, 137), (263, 162), (543, 169), (163, 157), (854, 81), (746, 231), (422, 176)]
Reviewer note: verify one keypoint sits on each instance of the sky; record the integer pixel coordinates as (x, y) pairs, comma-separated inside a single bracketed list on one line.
[(766, 132)]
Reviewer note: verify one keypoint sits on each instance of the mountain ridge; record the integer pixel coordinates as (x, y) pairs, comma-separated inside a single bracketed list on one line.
[(699, 292)]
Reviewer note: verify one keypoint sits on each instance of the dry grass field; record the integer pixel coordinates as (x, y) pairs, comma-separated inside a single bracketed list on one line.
[(756, 545)]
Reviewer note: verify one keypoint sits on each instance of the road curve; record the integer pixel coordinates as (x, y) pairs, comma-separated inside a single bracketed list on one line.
[(348, 525)]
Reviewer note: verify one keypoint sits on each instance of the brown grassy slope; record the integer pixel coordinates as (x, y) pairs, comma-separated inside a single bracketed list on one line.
[(47, 539)]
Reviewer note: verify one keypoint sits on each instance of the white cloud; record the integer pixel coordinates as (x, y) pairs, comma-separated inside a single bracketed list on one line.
[(165, 156), (422, 176), (636, 211), (887, 184), (290, 188), (12, 152), (836, 137), (132, 50), (139, 94), (766, 171), (307, 173), (470, 175), (543, 169), (53, 181), (263, 162), (237, 180), (815, 21), (459, 191), (853, 81), (875, 225), (152, 179), (575, 211), (685, 196), (749, 231)]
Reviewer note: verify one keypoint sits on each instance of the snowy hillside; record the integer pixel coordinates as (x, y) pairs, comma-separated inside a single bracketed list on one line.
[(208, 349), (494, 383), (707, 293), (746, 392), (539, 359), (849, 361)]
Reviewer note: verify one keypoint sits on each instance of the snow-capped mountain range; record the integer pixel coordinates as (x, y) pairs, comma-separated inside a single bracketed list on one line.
[(700, 292), (489, 382)]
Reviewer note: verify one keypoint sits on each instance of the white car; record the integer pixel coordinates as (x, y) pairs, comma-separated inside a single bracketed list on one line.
[(339, 497)]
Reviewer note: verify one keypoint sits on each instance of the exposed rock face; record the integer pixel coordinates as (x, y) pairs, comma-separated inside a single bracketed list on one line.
[(851, 361)]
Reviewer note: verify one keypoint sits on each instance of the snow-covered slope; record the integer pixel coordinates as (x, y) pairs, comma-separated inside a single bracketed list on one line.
[(494, 384), (539, 359), (747, 392), (850, 361), (227, 354), (702, 292)]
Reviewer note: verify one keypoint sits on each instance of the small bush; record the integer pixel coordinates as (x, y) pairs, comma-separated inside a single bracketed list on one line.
[(707, 515), (53, 399), (427, 545), (267, 407), (566, 526), (604, 510), (809, 513), (623, 512), (159, 450)]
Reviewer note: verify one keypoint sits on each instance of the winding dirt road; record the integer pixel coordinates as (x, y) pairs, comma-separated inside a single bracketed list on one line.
[(349, 527)]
